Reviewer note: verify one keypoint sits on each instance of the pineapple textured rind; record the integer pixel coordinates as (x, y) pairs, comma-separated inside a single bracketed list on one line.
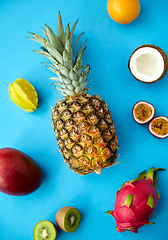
[(85, 133)]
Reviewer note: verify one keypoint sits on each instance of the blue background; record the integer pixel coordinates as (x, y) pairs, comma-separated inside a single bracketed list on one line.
[(109, 46)]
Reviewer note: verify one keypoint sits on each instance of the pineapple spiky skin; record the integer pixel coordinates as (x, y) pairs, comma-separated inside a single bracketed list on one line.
[(85, 133), (82, 123)]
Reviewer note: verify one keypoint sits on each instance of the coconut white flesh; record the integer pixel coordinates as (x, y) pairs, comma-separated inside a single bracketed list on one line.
[(147, 64)]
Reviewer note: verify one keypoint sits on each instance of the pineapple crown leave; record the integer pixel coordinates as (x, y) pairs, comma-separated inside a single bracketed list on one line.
[(71, 74)]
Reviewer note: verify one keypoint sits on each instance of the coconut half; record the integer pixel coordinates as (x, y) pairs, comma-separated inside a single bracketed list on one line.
[(159, 127), (148, 63), (143, 112)]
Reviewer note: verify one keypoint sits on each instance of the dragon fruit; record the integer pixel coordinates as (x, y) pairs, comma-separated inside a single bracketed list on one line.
[(136, 201)]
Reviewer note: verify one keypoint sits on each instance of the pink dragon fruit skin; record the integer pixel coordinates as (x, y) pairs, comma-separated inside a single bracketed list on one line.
[(136, 201)]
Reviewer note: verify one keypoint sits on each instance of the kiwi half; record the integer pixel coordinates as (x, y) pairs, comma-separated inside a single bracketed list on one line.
[(45, 230), (68, 219)]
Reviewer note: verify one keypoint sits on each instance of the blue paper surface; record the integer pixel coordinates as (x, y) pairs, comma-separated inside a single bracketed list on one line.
[(109, 47)]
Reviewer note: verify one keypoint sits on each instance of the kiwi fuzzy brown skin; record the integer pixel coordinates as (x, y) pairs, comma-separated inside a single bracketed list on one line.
[(164, 55), (60, 217), (155, 134), (148, 104)]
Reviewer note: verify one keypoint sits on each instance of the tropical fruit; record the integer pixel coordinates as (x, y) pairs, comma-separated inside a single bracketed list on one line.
[(148, 63), (23, 94), (68, 219), (159, 127), (19, 173), (82, 123), (45, 230), (123, 11), (143, 112), (136, 201)]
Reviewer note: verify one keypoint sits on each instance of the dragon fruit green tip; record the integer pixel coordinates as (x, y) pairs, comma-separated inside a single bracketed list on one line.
[(136, 201)]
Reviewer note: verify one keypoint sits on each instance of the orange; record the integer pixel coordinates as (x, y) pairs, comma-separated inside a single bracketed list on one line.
[(123, 11)]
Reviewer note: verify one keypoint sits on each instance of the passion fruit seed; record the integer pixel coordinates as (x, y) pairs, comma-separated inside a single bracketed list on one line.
[(143, 112), (23, 94), (159, 126)]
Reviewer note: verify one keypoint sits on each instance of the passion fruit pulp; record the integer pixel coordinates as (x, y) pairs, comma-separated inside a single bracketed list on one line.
[(143, 112), (159, 127)]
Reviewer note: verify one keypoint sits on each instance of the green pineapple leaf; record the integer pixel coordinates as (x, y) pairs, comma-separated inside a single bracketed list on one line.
[(44, 49), (58, 49), (72, 31), (60, 30), (84, 75), (68, 46), (69, 92), (72, 74), (63, 71), (80, 51), (38, 39), (66, 80), (77, 41), (54, 53), (45, 32), (78, 67), (53, 70), (55, 42), (68, 61), (47, 55)]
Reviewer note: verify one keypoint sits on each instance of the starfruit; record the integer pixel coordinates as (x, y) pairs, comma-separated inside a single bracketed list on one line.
[(23, 94)]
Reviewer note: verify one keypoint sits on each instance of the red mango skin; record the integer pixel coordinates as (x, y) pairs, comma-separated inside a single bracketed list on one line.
[(19, 173)]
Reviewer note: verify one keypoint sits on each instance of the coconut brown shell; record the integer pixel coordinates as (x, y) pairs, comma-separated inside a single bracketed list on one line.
[(164, 59)]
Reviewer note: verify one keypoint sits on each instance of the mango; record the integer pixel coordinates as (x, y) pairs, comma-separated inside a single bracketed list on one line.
[(19, 173)]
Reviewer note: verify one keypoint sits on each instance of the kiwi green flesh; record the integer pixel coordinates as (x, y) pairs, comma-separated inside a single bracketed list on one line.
[(72, 219), (45, 230)]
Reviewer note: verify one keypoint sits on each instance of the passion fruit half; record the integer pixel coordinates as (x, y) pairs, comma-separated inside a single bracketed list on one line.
[(159, 127), (148, 63), (143, 112)]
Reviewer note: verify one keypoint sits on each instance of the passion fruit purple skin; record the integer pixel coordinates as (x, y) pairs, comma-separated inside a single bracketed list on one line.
[(154, 133), (149, 118)]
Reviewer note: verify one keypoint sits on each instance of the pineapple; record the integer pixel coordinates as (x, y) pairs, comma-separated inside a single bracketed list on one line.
[(82, 123)]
